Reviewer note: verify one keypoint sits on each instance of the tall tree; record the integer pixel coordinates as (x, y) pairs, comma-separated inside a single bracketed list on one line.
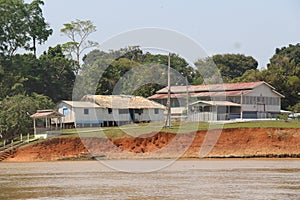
[(78, 32), (56, 76), (20, 23), (283, 72), (229, 66), (234, 65), (39, 30)]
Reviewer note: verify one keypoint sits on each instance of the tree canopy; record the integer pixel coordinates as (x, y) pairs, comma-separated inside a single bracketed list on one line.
[(283, 72), (136, 72), (78, 32), (15, 113), (21, 24)]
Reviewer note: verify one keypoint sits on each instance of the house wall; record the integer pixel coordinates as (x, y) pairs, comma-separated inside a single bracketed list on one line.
[(262, 99), (69, 113), (117, 116), (86, 118), (105, 116), (77, 115)]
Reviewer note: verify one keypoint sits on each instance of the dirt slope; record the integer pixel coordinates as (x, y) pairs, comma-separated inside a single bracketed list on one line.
[(244, 142)]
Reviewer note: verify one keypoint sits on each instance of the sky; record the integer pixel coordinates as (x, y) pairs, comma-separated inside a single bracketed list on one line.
[(251, 27)]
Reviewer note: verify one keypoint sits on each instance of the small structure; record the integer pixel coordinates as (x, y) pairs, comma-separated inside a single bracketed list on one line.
[(213, 110), (47, 123), (110, 110)]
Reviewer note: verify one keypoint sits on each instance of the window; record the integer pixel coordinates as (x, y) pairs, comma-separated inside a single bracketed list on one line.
[(109, 110), (156, 111), (123, 111), (65, 111), (138, 111), (86, 111)]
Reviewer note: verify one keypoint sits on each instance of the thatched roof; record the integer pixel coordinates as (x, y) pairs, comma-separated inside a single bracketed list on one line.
[(122, 101)]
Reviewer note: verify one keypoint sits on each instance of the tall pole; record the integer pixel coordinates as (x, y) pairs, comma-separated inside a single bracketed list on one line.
[(242, 105), (187, 97), (168, 121)]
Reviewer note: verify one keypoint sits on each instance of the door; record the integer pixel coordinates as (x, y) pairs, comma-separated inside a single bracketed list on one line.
[(131, 113)]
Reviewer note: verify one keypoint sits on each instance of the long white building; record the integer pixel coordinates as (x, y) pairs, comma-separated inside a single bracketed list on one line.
[(223, 101), (109, 110)]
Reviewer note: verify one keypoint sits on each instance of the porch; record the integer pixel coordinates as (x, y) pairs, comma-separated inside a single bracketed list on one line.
[(47, 123), (213, 111)]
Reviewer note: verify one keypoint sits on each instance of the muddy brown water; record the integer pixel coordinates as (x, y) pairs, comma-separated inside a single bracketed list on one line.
[(184, 179)]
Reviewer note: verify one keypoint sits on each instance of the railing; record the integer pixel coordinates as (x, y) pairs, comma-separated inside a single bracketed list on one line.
[(15, 142)]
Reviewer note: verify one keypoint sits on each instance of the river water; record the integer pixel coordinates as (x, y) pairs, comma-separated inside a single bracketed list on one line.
[(184, 179)]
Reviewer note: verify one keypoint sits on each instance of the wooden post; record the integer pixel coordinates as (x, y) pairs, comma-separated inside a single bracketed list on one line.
[(34, 127), (21, 137), (60, 121), (46, 123)]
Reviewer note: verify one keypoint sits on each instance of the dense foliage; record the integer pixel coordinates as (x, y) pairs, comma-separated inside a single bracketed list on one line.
[(22, 25), (132, 71), (283, 72), (15, 113)]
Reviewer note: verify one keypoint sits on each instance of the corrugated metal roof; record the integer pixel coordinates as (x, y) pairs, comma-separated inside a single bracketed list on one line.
[(122, 101), (47, 113), (217, 103), (81, 104), (214, 87), (164, 96), (201, 94), (220, 94)]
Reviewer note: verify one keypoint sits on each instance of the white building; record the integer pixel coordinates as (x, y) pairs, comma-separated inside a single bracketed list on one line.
[(110, 110), (250, 100)]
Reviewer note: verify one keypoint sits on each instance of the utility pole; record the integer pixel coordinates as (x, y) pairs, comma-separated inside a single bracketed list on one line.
[(168, 121), (187, 97), (242, 105)]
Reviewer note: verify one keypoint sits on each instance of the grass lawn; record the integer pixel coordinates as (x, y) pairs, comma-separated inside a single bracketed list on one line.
[(177, 128)]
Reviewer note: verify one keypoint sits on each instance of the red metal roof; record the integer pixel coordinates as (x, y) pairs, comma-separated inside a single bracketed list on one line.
[(164, 96), (217, 103), (44, 114), (214, 87), (202, 94)]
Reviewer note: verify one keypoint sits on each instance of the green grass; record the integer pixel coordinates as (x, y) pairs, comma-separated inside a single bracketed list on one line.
[(135, 130), (264, 124)]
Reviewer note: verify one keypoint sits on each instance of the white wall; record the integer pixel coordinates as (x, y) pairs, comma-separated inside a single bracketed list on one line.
[(97, 115), (266, 102), (69, 118)]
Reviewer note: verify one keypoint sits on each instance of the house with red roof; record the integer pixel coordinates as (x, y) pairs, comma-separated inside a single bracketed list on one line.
[(211, 102)]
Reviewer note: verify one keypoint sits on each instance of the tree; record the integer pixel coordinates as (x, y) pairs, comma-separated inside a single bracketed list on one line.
[(20, 23), (78, 31), (38, 28), (15, 111), (251, 75), (208, 71), (234, 65), (56, 76), (51, 74), (283, 72), (135, 72), (225, 68)]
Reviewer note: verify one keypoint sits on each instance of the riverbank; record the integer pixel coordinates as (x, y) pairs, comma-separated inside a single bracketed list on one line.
[(231, 143)]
